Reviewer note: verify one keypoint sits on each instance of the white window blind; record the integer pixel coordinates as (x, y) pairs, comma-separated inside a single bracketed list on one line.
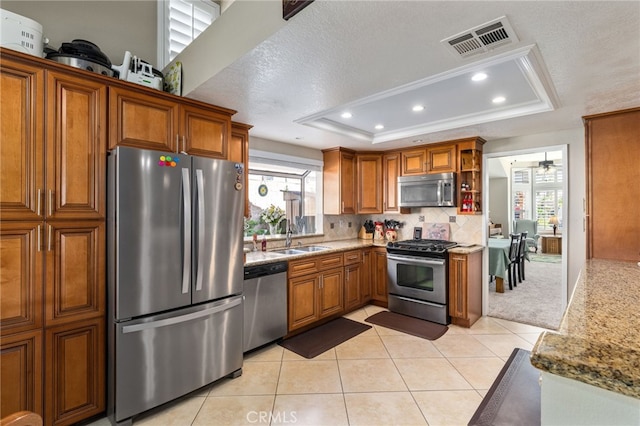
[(182, 21)]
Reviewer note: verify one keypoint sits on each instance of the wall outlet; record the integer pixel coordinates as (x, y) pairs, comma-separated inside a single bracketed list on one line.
[(349, 224), (420, 218), (452, 219), (331, 225)]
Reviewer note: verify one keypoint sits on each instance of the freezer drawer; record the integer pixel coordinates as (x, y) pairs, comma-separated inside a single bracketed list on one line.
[(161, 358)]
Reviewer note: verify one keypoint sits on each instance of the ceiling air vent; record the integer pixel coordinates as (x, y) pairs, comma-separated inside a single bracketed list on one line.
[(482, 38)]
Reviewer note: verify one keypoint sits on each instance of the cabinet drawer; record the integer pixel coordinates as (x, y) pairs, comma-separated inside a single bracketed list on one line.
[(351, 257), (303, 267), (328, 262)]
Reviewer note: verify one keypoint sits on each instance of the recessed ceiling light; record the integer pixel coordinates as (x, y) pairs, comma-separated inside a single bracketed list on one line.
[(346, 115), (417, 108), (498, 99), (379, 127), (479, 76)]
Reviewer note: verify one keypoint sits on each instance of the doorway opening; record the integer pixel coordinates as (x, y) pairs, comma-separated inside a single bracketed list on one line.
[(528, 187)]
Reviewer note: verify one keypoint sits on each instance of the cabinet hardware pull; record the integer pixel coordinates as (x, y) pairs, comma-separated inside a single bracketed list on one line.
[(38, 201), (39, 240), (184, 144), (49, 239), (50, 202)]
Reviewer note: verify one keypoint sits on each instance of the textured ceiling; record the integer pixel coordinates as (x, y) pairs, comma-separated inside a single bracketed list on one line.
[(338, 52)]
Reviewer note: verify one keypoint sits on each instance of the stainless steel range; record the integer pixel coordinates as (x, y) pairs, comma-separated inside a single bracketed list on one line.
[(417, 278)]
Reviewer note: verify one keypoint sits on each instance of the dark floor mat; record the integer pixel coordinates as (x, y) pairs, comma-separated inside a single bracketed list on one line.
[(324, 337), (410, 325), (514, 397)]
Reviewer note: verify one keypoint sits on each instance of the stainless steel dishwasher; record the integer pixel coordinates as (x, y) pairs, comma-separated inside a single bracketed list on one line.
[(265, 304)]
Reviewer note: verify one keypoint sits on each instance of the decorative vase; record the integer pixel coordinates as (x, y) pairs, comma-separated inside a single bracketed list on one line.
[(273, 229)]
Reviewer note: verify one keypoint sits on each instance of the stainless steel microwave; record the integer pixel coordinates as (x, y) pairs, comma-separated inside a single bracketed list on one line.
[(434, 190)]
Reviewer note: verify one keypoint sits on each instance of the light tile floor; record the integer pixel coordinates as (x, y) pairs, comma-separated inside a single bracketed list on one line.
[(380, 377)]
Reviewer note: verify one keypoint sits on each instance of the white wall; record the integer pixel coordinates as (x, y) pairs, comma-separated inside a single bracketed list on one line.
[(283, 148), (574, 138), (113, 25), (499, 202)]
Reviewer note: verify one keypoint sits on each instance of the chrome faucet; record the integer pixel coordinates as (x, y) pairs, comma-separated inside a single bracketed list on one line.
[(287, 241)]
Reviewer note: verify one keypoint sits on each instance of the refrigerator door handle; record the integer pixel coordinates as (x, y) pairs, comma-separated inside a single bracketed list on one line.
[(186, 259), (200, 236), (183, 318)]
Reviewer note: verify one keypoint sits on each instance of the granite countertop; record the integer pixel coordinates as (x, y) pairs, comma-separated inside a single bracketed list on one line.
[(262, 257), (466, 249), (598, 342)]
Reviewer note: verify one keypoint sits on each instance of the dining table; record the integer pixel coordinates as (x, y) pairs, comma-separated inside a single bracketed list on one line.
[(499, 260)]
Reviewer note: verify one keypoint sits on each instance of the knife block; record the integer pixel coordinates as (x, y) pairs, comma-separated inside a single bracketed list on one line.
[(364, 235)]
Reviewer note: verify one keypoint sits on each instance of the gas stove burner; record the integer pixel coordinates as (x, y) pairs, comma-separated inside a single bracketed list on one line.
[(420, 247)]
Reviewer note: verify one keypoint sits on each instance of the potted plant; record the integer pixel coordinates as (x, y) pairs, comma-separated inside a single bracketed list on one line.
[(272, 216)]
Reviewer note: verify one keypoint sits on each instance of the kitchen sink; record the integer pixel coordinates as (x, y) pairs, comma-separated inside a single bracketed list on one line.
[(300, 250), (311, 248), (288, 251)]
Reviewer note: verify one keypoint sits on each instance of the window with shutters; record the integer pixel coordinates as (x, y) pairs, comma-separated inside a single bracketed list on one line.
[(180, 22), (536, 194)]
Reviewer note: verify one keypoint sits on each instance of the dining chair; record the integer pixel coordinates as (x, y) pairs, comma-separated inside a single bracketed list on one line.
[(522, 248), (513, 260)]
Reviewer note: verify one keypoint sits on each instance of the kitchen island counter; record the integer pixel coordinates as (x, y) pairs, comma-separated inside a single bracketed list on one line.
[(598, 342)]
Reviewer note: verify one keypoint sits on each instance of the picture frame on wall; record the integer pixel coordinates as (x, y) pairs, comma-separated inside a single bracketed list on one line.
[(291, 7)]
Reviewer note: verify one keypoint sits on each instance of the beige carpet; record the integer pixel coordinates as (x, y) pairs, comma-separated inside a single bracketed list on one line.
[(536, 301)]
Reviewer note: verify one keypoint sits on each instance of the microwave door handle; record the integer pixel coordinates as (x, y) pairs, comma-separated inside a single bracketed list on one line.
[(440, 192)]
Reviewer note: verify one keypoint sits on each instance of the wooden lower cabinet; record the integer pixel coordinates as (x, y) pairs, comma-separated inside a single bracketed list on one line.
[(365, 276), (465, 288), (315, 296), (75, 371), (331, 295), (21, 373), (379, 275), (352, 279)]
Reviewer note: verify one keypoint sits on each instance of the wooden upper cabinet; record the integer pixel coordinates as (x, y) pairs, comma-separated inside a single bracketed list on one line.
[(141, 120), (239, 153), (21, 278), (390, 174), (339, 178), (204, 133), (441, 159), (75, 271), (21, 140), (414, 162), (76, 147), (369, 176)]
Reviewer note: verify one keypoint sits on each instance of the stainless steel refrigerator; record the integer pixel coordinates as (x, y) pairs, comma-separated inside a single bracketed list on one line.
[(175, 272)]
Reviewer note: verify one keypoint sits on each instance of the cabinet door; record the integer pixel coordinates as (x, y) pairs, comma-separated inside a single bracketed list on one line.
[(413, 162), (331, 297), (143, 121), (441, 159), (303, 301), (205, 133), (239, 153), (21, 141), (75, 271), (21, 278), (380, 275), (457, 286), (76, 147), (390, 173), (347, 183), (74, 372), (21, 373), (352, 278), (365, 276), (369, 173)]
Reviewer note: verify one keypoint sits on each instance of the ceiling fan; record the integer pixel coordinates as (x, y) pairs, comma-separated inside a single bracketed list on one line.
[(546, 164)]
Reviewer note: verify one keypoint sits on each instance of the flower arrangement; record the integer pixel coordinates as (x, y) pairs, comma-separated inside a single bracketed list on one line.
[(272, 215)]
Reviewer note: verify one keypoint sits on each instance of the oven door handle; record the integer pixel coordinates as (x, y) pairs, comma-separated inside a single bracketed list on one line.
[(421, 302), (416, 260)]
